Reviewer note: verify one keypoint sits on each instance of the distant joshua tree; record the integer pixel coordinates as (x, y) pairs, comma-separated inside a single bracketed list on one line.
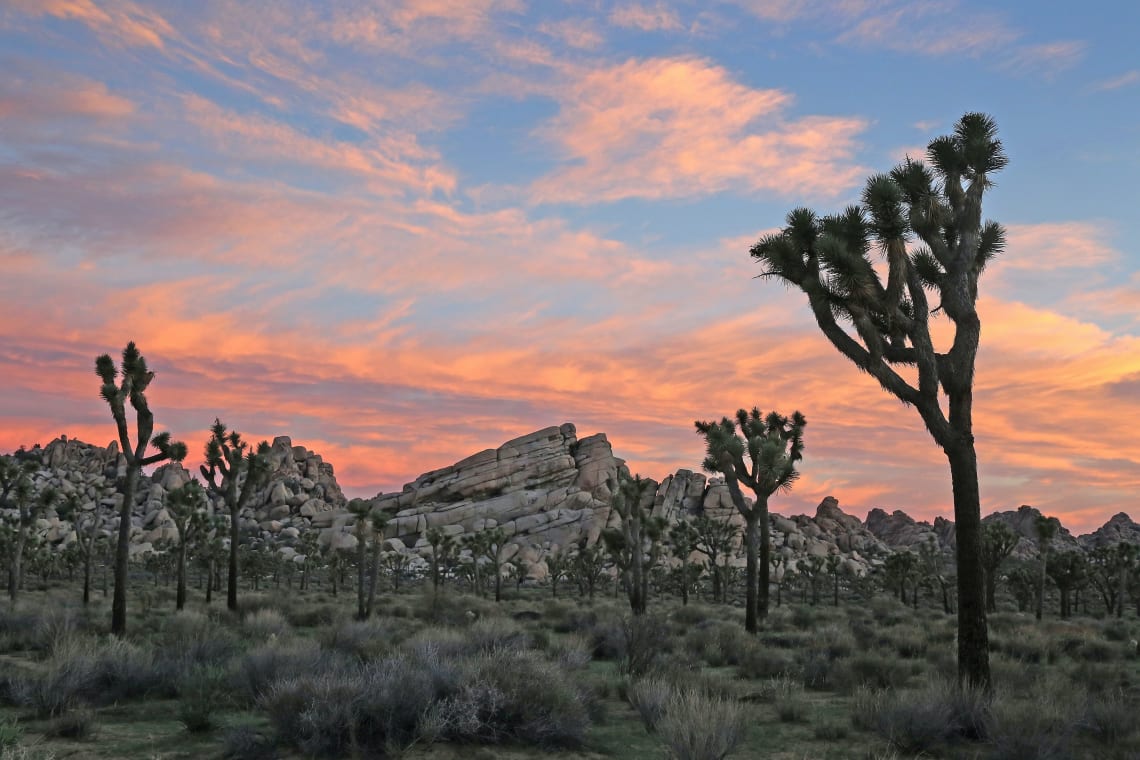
[(1047, 528), (829, 259), (773, 445), (134, 378), (234, 471), (998, 542), (682, 544), (187, 507), (716, 538), (636, 536)]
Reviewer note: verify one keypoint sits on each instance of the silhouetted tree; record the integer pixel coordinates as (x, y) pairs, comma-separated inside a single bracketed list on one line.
[(187, 508), (682, 544), (636, 535), (829, 259), (135, 379), (998, 542), (716, 539), (773, 444), (234, 471), (1046, 528), (1068, 570), (557, 567), (489, 544)]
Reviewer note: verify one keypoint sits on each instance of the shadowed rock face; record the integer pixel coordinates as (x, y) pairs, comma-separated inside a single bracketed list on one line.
[(547, 490)]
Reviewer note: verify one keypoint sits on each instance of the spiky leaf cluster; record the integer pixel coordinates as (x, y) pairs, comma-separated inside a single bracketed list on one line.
[(232, 462), (772, 443), (134, 378), (924, 220)]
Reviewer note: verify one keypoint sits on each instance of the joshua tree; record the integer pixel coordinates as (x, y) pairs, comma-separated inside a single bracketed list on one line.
[(835, 569), (780, 569), (682, 544), (187, 507), (1108, 571), (395, 564), (933, 568), (902, 566), (1068, 570), (627, 544), (29, 509), (829, 259), (588, 566), (1046, 528), (442, 549), (773, 444), (361, 509), (998, 542), (557, 567), (135, 379), (234, 470), (489, 544), (379, 521), (715, 539)]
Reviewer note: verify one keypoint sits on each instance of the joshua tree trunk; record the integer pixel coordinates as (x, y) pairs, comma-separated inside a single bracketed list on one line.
[(180, 593), (373, 575), (751, 573), (973, 634), (122, 552)]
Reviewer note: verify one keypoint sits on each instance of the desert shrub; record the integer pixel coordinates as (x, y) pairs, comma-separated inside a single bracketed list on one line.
[(920, 721), (246, 743), (1041, 728), (10, 735), (1028, 645), (1117, 630), (649, 697), (830, 731), (878, 671), (76, 724), (55, 629), (572, 652), (365, 639), (89, 672), (805, 618), (888, 611), (19, 631), (264, 624), (311, 616), (514, 696), (696, 726), (202, 693), (789, 700), (1102, 678), (819, 672), (643, 643), (785, 639), (256, 670), (758, 661), (1110, 718), (690, 615), (908, 641), (718, 643), (1096, 650)]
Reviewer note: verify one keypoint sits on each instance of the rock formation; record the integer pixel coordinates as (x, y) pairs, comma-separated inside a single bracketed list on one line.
[(546, 490)]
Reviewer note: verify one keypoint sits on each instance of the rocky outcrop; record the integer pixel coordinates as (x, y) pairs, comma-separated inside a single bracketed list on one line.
[(547, 489), (1119, 529)]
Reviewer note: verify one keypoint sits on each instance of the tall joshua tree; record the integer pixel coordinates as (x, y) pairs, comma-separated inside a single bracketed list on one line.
[(234, 470), (682, 544), (29, 507), (888, 326), (133, 378), (773, 444)]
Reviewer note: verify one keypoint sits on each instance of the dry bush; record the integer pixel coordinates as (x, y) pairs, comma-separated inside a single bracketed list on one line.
[(696, 726)]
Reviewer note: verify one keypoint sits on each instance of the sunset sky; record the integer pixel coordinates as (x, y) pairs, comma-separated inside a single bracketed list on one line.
[(402, 231)]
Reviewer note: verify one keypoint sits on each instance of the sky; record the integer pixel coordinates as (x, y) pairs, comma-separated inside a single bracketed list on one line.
[(403, 231)]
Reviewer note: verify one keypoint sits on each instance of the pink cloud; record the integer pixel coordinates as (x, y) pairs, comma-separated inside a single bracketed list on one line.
[(678, 127), (648, 18), (117, 22), (1058, 245)]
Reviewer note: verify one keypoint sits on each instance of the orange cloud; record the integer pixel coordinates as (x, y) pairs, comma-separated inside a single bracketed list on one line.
[(1058, 245), (677, 127), (118, 22)]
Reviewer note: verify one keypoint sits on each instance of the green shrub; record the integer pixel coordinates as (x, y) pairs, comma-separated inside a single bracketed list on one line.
[(1042, 728), (696, 726), (264, 624), (790, 702), (757, 662), (202, 693), (922, 720), (76, 724), (648, 696)]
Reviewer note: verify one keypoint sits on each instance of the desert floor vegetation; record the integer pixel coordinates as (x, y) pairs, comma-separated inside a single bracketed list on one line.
[(454, 674)]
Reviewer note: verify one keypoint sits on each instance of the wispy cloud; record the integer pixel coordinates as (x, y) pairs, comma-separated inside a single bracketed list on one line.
[(1127, 79), (678, 127), (648, 18)]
